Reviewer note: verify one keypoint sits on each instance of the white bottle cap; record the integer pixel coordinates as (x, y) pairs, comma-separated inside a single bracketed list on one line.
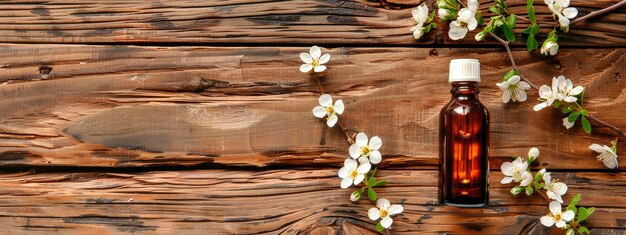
[(464, 70)]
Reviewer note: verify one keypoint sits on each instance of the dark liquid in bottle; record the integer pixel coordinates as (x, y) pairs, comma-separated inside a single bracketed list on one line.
[(464, 148)]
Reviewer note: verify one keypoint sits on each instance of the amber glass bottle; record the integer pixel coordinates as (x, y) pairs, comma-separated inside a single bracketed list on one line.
[(464, 139)]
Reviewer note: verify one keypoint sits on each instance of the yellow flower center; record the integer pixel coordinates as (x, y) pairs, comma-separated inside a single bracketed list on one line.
[(330, 109), (365, 150), (557, 217), (354, 174), (315, 62), (384, 213)]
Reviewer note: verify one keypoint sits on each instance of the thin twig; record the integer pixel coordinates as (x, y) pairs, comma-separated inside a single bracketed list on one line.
[(513, 64), (341, 126), (598, 12)]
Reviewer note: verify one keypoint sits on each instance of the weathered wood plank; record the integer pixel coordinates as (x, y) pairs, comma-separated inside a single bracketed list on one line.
[(262, 21), (146, 106), (290, 201)]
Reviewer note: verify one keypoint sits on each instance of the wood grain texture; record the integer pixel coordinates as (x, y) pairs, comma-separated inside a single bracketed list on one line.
[(275, 201), (331, 22), (152, 106)]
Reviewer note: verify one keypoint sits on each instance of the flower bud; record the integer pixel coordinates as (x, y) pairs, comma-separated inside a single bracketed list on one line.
[(517, 190), (443, 13), (549, 47), (355, 196), (533, 153)]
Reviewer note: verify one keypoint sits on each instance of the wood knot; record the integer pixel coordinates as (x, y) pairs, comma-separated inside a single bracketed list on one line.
[(44, 71), (433, 52)]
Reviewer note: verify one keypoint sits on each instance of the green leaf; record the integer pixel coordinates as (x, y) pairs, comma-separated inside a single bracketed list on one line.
[(570, 231), (572, 117), (583, 230), (556, 104), (510, 21), (529, 191), (380, 183), (531, 42), (371, 194), (586, 125), (379, 227), (584, 112), (531, 11), (508, 33), (572, 204), (538, 185), (566, 110), (479, 18), (584, 213), (371, 181), (494, 9)]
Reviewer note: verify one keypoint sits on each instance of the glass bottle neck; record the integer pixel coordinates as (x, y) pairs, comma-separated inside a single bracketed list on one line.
[(464, 90)]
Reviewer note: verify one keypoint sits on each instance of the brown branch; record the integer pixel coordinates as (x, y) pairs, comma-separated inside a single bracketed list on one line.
[(341, 126), (598, 12)]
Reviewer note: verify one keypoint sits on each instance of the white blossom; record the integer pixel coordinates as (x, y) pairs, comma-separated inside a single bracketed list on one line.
[(567, 123), (443, 13), (364, 151), (384, 210), (420, 15), (549, 47), (352, 172), (561, 9), (567, 91), (513, 89), (516, 171), (465, 22), (328, 110), (533, 153), (608, 155), (556, 216), (314, 60), (547, 95), (554, 189)]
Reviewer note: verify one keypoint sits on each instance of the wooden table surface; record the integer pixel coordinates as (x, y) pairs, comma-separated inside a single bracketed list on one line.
[(191, 117)]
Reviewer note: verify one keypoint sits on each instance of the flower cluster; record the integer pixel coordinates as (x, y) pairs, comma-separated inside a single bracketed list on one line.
[(517, 171), (560, 9), (462, 20), (424, 21), (357, 169)]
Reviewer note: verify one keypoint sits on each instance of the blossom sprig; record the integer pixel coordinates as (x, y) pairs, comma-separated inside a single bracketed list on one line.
[(424, 21), (518, 172), (502, 21), (562, 12), (562, 94), (570, 219), (357, 169)]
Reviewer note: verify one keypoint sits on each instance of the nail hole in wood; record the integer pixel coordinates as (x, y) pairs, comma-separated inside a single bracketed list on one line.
[(45, 71)]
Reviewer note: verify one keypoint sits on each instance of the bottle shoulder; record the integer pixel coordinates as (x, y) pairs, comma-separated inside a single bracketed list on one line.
[(464, 107)]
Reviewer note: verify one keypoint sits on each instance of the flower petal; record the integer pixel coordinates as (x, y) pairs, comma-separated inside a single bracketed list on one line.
[(361, 139), (364, 168), (395, 209), (375, 157), (506, 96), (559, 188), (547, 178), (596, 147), (507, 168), (514, 79), (567, 124), (563, 21), (506, 180), (527, 178), (545, 92), (540, 106), (363, 160), (339, 107), (373, 213), (570, 12), (306, 58), (383, 204), (547, 221), (332, 120), (346, 182), (521, 94), (456, 32), (375, 143), (319, 111), (472, 23), (386, 222), (577, 90), (305, 68), (523, 85), (319, 69), (350, 164), (570, 99), (324, 59), (315, 52), (343, 172), (555, 207), (560, 224), (355, 151), (568, 215), (325, 100), (358, 179), (610, 162)]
